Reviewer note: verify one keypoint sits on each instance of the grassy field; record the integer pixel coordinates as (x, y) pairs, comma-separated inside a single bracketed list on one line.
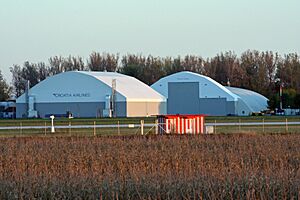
[(80, 121), (211, 119), (75, 121), (45, 123), (246, 166)]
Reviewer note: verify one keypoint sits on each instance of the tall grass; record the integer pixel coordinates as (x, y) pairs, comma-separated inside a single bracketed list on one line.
[(153, 167)]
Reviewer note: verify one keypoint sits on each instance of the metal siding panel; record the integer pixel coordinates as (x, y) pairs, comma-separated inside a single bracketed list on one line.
[(198, 125), (187, 128), (188, 125), (90, 109), (201, 124), (231, 108), (141, 109), (167, 126), (121, 109), (213, 106), (174, 126), (164, 126), (184, 125), (164, 121), (21, 110), (177, 125), (87, 109), (194, 126), (183, 98)]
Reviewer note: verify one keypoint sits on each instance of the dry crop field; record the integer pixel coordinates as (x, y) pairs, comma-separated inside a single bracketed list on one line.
[(152, 167)]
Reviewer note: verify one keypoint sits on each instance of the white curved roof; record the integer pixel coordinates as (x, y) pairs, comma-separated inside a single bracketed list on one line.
[(128, 86), (83, 86), (255, 101), (208, 88)]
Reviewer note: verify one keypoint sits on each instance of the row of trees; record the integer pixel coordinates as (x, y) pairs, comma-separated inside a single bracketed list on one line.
[(263, 72), (5, 90)]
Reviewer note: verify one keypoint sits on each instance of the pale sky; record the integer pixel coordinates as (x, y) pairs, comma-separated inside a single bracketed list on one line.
[(35, 30)]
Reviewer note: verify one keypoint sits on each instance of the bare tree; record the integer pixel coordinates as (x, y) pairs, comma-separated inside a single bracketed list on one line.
[(5, 90), (18, 82), (103, 62)]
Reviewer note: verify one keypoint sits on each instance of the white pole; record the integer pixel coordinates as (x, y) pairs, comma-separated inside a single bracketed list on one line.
[(52, 127), (21, 128), (156, 126), (45, 128), (215, 126), (70, 128), (94, 128), (142, 127), (52, 124), (280, 96)]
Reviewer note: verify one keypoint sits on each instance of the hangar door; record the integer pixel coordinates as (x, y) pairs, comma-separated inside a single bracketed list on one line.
[(183, 98)]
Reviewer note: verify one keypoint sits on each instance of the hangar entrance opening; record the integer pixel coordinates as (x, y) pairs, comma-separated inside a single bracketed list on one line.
[(183, 97)]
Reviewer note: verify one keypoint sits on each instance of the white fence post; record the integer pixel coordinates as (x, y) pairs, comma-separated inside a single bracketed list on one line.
[(70, 128), (118, 127), (156, 126), (142, 127), (45, 128), (52, 123), (21, 128), (94, 128), (215, 126)]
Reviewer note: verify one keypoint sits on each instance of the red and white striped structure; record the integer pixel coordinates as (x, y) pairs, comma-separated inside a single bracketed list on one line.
[(181, 124)]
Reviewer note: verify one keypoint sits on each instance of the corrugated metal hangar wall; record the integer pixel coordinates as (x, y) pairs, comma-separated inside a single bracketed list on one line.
[(184, 98), (191, 93), (90, 94), (104, 94)]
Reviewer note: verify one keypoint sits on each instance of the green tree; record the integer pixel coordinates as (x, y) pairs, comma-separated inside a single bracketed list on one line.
[(297, 100), (133, 65), (34, 73), (4, 89), (289, 98), (18, 82), (223, 68), (59, 64), (30, 73), (289, 71), (103, 62)]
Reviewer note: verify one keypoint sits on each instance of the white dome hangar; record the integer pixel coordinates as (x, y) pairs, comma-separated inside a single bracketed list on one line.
[(191, 93), (90, 94)]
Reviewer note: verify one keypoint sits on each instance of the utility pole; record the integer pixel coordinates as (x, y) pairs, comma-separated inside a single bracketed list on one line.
[(113, 98), (280, 96)]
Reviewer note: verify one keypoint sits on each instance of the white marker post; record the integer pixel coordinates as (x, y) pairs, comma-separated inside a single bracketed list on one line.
[(52, 124), (142, 127)]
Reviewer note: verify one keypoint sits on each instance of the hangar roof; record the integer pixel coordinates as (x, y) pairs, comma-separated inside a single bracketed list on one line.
[(128, 86), (208, 87), (254, 100), (84, 86)]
